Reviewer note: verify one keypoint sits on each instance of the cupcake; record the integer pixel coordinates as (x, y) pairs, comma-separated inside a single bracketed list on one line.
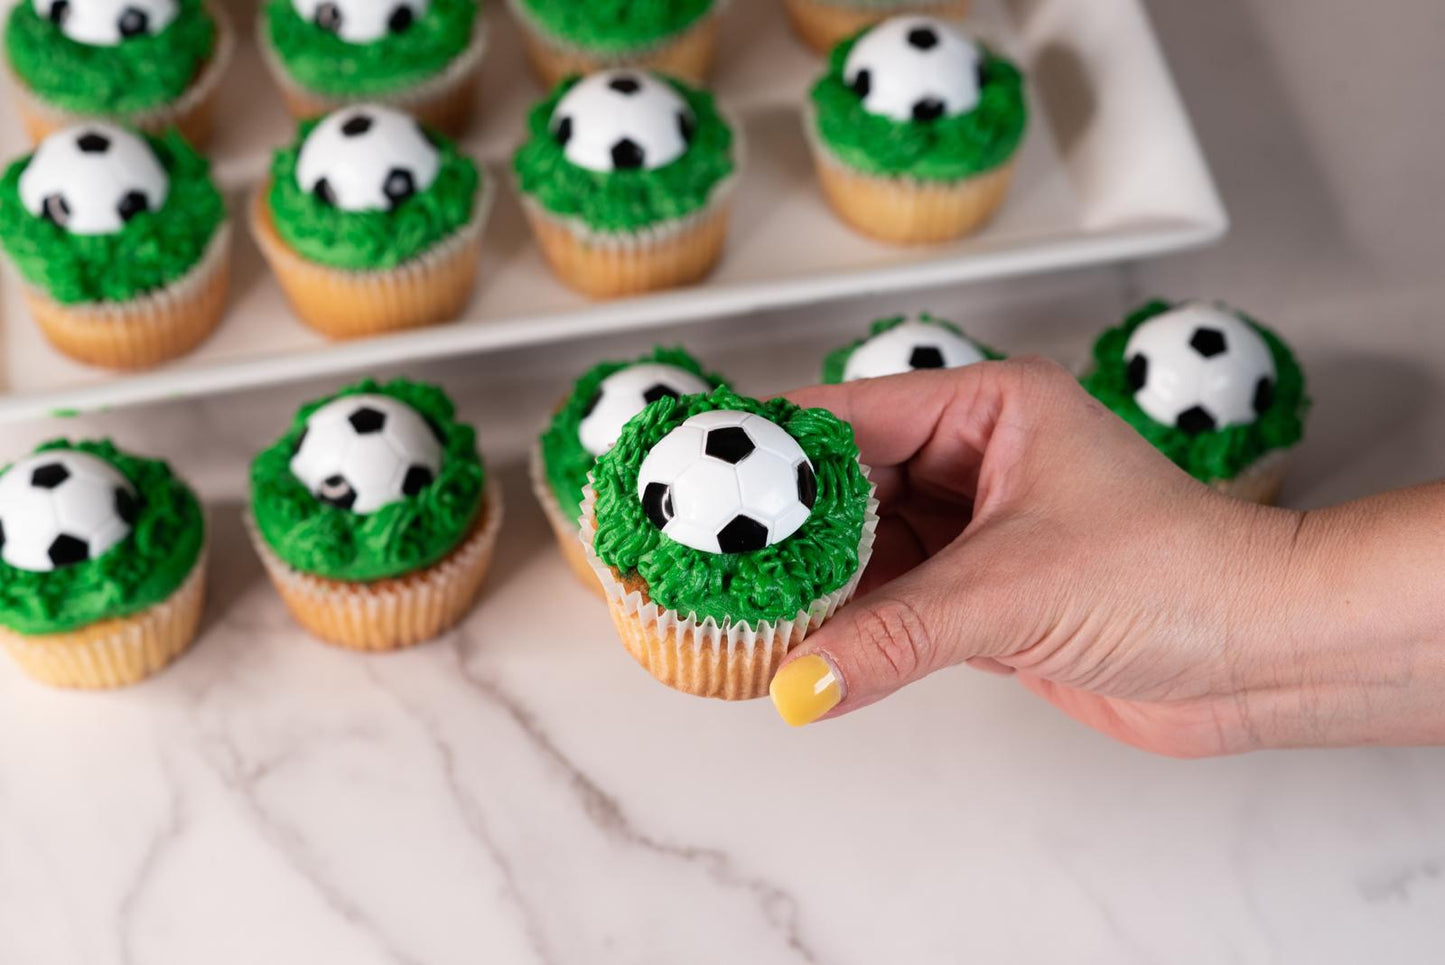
[(1211, 388), (565, 37), (151, 64), (587, 424), (822, 23), (724, 530), (122, 242), (374, 516), (914, 130), (102, 565), (419, 56), (627, 180), (372, 223), (902, 344)]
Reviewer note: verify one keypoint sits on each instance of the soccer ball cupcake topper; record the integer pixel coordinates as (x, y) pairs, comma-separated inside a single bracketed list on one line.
[(915, 69), (361, 21), (107, 23), (618, 120), (627, 392), (92, 178), (367, 158), (363, 452), (912, 345), (62, 507)]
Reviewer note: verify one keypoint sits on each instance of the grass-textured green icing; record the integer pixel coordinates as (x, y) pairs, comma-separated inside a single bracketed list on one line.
[(138, 74), (152, 250), (1208, 456), (614, 26), (771, 584), (371, 240), (836, 361), (623, 201), (140, 571), (320, 61), (402, 537), (947, 149), (565, 459)]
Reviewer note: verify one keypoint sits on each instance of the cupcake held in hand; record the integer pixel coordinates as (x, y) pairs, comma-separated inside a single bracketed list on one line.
[(627, 178), (122, 242), (903, 344), (420, 56), (102, 565), (1211, 388), (375, 517), (823, 23), (151, 64), (914, 129), (588, 423), (723, 531), (372, 223), (565, 37)]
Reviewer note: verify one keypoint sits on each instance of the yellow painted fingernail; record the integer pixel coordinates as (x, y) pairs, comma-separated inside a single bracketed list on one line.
[(805, 690)]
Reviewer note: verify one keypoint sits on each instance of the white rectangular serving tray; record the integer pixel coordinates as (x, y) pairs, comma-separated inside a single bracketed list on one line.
[(1110, 170)]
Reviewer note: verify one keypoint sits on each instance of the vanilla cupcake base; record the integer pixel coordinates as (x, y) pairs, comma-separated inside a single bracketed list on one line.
[(564, 529), (730, 661), (822, 24), (117, 652), (1260, 482), (687, 55), (145, 331), (394, 613)]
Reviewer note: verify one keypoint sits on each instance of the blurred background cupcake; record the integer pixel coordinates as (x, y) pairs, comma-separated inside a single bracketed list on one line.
[(626, 179), (372, 223), (150, 63), (420, 56), (822, 23), (122, 242), (564, 37), (904, 343), (102, 565)]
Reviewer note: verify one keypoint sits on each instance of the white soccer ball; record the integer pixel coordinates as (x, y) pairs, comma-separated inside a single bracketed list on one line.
[(626, 119), (1200, 367), (727, 482), (627, 392), (92, 178), (63, 507), (363, 452), (107, 23), (361, 21), (915, 69), (367, 158), (915, 344)]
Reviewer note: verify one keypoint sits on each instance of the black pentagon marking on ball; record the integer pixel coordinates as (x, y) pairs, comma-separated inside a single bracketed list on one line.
[(417, 479), (126, 505), (92, 142), (807, 485), (862, 83), (367, 420), (356, 125), (336, 491), (982, 74), (49, 476), (401, 18), (626, 84), (328, 17), (730, 444), (686, 126), (659, 391), (1137, 372), (592, 403), (301, 440), (1208, 342), (627, 155), (923, 38), (134, 23), (928, 109), (68, 550), (1263, 395), (59, 11), (562, 133), (2, 535), (925, 357), (743, 535), (657, 504), (132, 204), (1195, 420), (55, 209), (324, 192), (399, 186)]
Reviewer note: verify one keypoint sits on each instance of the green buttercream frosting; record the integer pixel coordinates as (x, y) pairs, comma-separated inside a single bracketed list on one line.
[(947, 149), (614, 26), (138, 74), (321, 61), (622, 201), (371, 240), (836, 361), (1208, 456), (401, 537), (566, 460), (137, 573), (771, 584), (153, 249)]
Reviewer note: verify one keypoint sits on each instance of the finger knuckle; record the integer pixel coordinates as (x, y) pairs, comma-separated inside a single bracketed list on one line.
[(895, 637)]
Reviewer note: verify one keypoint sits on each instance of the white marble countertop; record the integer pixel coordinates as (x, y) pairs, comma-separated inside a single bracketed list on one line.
[(520, 792)]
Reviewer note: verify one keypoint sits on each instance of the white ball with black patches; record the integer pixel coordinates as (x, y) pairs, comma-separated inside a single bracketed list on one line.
[(1200, 368), (63, 507), (363, 452), (361, 21), (367, 158), (627, 392), (727, 482), (915, 69), (107, 23), (908, 347), (623, 120), (92, 178)]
